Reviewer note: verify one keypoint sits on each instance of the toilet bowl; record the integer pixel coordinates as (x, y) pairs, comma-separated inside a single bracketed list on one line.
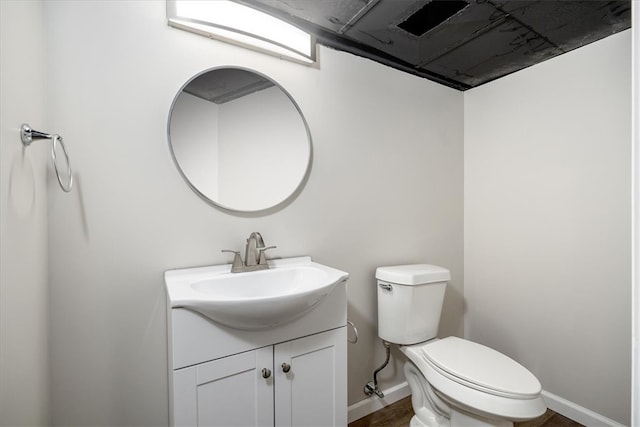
[(453, 381)]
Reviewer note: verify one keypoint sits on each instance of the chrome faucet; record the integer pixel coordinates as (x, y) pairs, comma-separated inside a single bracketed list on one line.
[(254, 257)]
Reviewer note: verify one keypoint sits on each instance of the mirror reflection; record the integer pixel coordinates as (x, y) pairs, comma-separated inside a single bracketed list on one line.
[(239, 139)]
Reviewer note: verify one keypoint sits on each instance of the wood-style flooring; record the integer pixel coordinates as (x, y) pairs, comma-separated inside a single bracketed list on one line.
[(399, 414)]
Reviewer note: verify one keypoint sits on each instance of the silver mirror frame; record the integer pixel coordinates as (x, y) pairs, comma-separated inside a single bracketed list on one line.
[(254, 212)]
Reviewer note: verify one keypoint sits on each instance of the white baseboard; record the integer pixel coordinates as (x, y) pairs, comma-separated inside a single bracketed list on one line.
[(576, 412), (374, 403), (556, 403)]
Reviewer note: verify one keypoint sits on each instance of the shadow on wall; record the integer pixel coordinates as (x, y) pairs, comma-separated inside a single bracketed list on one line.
[(77, 193), (454, 302), (22, 185)]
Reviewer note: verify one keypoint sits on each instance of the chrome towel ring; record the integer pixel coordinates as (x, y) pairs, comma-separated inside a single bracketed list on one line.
[(355, 332), (28, 135)]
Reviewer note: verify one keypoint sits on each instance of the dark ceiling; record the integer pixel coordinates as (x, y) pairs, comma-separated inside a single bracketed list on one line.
[(459, 43)]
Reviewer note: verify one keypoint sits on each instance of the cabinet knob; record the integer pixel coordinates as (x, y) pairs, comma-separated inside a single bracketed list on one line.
[(266, 373), (286, 367)]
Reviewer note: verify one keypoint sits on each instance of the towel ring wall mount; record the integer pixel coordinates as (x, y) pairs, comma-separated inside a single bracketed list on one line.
[(28, 135)]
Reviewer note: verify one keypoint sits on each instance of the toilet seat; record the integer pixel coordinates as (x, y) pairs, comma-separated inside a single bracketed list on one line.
[(482, 368), (478, 379)]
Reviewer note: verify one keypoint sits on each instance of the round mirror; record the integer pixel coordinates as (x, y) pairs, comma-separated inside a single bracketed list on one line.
[(239, 139)]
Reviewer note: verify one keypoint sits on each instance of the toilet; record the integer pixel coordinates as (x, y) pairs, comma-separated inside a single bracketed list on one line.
[(454, 382)]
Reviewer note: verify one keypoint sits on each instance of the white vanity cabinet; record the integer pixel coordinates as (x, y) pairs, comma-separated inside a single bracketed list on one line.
[(233, 390), (217, 373), (225, 392), (313, 392)]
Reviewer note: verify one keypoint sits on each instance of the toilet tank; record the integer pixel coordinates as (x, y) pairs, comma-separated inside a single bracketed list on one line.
[(410, 299)]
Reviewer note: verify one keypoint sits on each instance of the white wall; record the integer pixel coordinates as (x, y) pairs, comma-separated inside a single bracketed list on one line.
[(385, 188), (547, 222), (24, 301)]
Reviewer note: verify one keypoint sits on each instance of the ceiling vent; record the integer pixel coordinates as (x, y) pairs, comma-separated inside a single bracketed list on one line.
[(431, 15)]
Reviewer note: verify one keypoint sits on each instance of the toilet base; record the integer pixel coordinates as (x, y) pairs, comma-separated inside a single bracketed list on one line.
[(460, 419), (415, 422), (432, 411)]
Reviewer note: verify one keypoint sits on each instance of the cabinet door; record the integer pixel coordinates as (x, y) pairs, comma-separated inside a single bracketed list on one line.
[(225, 392), (314, 390)]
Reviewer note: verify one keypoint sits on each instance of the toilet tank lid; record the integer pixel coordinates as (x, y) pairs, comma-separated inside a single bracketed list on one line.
[(413, 274)]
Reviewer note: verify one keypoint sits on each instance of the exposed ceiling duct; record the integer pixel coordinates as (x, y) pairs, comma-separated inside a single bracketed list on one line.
[(459, 43)]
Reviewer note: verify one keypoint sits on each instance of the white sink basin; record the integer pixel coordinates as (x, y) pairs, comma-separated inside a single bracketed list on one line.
[(253, 300)]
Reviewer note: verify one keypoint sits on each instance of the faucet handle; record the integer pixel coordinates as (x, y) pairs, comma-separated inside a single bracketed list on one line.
[(263, 259), (237, 259)]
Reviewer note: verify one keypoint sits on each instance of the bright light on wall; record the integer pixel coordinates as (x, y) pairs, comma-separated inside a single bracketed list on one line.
[(242, 25)]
